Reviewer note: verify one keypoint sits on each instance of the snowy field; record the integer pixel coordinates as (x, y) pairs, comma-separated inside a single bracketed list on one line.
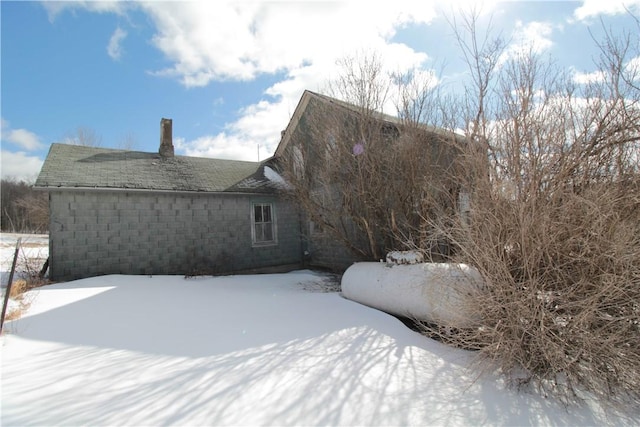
[(33, 253), (242, 350)]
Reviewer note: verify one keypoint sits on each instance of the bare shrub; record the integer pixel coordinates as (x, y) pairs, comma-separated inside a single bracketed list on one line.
[(554, 224), (561, 307), (35, 206), (20, 299), (15, 313), (29, 270), (366, 178), (552, 218), (24, 209), (18, 288), (82, 135)]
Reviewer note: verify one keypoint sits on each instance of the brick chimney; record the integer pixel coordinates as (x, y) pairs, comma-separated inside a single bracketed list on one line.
[(166, 138)]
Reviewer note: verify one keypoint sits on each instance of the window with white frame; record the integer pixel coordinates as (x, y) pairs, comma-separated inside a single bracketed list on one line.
[(263, 231)]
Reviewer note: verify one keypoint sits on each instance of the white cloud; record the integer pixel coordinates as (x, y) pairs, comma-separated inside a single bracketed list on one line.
[(586, 78), (211, 41), (23, 138), (216, 41), (303, 43), (632, 68), (262, 123), (534, 37), (631, 72), (54, 8), (591, 8), (220, 146), (20, 165), (481, 8), (114, 48), (259, 125)]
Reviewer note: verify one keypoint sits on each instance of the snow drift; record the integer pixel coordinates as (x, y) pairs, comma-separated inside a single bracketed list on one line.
[(244, 350), (432, 292)]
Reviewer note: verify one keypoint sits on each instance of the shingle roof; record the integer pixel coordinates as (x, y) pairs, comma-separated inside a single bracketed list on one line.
[(90, 167)]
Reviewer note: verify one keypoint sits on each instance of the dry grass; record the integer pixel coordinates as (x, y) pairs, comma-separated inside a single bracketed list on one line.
[(14, 314), (18, 290), (30, 279), (329, 283)]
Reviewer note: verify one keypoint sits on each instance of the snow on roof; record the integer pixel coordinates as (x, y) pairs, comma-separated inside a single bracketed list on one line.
[(275, 177)]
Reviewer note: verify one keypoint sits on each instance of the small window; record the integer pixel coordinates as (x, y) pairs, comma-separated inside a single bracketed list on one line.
[(264, 230), (315, 228), (390, 131), (298, 162), (464, 206), (464, 202)]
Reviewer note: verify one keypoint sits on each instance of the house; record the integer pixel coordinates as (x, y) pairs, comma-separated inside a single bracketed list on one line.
[(129, 212), (352, 213)]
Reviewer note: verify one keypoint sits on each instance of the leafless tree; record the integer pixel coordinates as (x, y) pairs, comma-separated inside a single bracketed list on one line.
[(362, 82), (554, 223), (551, 167), (23, 208), (128, 141), (83, 136), (368, 178)]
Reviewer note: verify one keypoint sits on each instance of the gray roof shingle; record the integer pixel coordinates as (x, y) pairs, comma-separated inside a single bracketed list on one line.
[(89, 167)]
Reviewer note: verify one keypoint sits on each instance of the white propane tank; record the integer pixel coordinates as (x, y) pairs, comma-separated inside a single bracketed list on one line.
[(438, 293)]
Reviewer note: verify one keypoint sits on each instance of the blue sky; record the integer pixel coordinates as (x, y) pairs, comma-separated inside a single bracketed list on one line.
[(230, 75)]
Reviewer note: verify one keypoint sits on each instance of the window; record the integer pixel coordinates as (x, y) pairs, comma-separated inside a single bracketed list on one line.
[(315, 228), (298, 162), (264, 228), (464, 206)]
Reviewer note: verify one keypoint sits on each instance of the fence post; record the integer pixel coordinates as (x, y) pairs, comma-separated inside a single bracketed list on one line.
[(8, 291)]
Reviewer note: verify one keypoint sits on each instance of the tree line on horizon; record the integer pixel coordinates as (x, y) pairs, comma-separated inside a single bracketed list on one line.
[(23, 208)]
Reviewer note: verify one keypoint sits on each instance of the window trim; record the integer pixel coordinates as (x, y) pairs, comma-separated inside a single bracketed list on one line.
[(273, 222)]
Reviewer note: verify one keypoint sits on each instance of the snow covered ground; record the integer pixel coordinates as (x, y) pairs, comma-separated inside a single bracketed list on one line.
[(33, 253), (242, 350)]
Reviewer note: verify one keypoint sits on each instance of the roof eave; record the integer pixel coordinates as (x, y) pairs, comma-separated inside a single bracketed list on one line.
[(293, 123), (150, 190)]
